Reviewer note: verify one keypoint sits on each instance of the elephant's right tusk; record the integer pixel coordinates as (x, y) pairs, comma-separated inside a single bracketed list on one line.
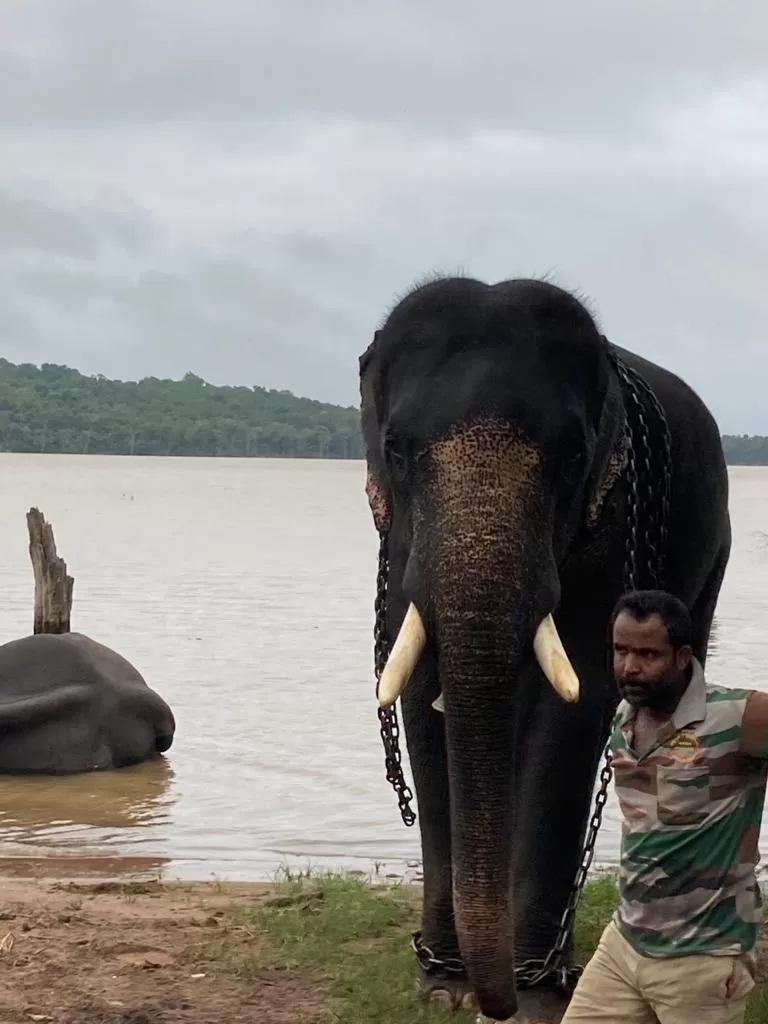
[(554, 662), (406, 651)]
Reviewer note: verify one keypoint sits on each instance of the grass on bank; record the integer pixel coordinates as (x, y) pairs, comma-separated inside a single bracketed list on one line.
[(354, 939)]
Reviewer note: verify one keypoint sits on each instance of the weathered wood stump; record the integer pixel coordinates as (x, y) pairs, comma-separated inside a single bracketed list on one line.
[(53, 586)]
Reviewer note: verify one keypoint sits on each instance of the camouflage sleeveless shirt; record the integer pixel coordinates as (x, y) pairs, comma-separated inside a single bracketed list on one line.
[(692, 808)]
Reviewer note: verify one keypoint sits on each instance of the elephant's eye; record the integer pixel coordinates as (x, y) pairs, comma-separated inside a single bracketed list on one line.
[(395, 455)]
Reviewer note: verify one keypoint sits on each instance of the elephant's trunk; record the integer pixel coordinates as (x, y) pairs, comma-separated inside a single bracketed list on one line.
[(480, 733), (492, 580), (483, 650)]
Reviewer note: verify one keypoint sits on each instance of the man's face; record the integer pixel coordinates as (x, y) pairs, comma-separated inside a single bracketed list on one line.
[(649, 672)]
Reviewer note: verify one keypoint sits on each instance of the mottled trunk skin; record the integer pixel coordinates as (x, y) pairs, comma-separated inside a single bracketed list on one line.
[(480, 768), (492, 580)]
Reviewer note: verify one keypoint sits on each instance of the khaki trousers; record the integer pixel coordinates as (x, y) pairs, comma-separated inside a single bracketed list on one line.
[(620, 985)]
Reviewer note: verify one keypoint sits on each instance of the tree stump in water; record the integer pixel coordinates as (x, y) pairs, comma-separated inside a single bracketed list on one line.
[(53, 587)]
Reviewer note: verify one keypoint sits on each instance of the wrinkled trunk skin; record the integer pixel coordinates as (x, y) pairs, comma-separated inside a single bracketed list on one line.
[(492, 580), (480, 751)]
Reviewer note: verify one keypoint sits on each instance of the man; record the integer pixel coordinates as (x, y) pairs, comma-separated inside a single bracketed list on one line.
[(690, 763)]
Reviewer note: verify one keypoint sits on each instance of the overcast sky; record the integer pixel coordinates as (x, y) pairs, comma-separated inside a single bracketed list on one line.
[(242, 189)]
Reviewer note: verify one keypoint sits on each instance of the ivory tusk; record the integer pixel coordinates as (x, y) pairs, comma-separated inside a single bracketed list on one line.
[(438, 704), (405, 653), (554, 662)]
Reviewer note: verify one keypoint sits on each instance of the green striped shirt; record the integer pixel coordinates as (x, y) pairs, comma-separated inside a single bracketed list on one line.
[(692, 807)]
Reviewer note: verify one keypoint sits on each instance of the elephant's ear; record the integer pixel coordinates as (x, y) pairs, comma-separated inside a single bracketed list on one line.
[(610, 454), (377, 492), (378, 500)]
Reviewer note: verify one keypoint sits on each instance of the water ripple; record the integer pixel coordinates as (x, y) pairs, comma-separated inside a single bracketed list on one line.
[(243, 591)]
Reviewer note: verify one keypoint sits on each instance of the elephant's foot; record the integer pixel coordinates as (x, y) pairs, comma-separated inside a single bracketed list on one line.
[(451, 991), (535, 1006), (442, 978), (454, 992)]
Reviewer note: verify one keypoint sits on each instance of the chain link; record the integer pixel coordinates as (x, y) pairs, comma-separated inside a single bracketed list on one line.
[(389, 726), (642, 492), (441, 967), (532, 972), (657, 477), (648, 478), (642, 480)]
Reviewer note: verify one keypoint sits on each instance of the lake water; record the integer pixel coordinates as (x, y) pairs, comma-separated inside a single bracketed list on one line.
[(243, 591)]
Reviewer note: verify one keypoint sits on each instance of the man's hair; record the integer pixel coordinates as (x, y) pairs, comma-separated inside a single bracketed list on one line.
[(642, 604)]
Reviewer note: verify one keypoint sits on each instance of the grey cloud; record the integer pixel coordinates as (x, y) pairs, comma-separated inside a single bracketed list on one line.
[(30, 224), (448, 63), (243, 190), (682, 286), (267, 312)]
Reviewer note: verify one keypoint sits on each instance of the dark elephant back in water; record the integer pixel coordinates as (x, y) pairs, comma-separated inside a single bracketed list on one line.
[(69, 704)]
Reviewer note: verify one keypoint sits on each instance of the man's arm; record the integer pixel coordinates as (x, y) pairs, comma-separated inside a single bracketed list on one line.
[(754, 726)]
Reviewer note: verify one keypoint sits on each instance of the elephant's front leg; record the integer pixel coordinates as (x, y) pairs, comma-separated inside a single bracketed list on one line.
[(443, 981), (559, 750)]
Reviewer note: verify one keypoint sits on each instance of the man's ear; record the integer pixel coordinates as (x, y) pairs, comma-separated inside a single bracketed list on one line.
[(684, 657)]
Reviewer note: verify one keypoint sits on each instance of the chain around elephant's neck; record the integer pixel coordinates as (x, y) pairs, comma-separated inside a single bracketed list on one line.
[(647, 478)]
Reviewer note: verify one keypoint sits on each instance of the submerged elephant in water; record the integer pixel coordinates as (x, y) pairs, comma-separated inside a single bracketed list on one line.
[(69, 704), (521, 476)]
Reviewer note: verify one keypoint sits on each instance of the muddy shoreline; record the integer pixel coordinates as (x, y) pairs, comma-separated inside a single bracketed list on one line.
[(137, 952), (122, 949)]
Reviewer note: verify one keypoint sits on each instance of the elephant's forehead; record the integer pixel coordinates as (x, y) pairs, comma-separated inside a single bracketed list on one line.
[(482, 475), (428, 391), (484, 447)]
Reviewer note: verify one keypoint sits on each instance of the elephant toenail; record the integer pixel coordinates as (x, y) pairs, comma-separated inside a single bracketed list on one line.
[(440, 995)]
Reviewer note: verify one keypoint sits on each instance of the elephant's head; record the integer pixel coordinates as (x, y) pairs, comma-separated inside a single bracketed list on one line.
[(490, 426)]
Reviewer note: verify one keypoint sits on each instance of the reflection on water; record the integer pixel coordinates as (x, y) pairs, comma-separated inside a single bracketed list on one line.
[(243, 591), (76, 819), (35, 808)]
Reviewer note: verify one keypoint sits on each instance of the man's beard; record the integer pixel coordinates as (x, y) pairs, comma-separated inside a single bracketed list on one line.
[(656, 696)]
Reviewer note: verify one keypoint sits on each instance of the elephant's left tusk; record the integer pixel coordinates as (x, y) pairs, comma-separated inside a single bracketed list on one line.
[(406, 651), (554, 662), (438, 704)]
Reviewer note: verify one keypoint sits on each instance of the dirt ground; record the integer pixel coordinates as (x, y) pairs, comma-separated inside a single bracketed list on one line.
[(136, 953), (142, 952)]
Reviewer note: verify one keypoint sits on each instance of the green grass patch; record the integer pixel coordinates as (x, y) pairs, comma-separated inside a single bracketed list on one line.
[(354, 938), (597, 904), (351, 935)]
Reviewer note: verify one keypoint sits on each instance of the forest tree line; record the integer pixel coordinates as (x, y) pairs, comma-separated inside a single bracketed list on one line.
[(55, 409)]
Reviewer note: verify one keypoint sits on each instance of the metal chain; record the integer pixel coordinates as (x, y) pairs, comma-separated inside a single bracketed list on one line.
[(440, 967), (656, 560), (389, 726), (642, 478), (639, 449), (653, 476), (532, 972)]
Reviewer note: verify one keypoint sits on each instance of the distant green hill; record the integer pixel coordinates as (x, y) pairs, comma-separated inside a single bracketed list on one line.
[(56, 409), (744, 450)]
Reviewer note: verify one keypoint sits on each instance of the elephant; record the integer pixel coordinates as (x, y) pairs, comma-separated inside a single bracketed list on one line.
[(69, 704), (522, 472)]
